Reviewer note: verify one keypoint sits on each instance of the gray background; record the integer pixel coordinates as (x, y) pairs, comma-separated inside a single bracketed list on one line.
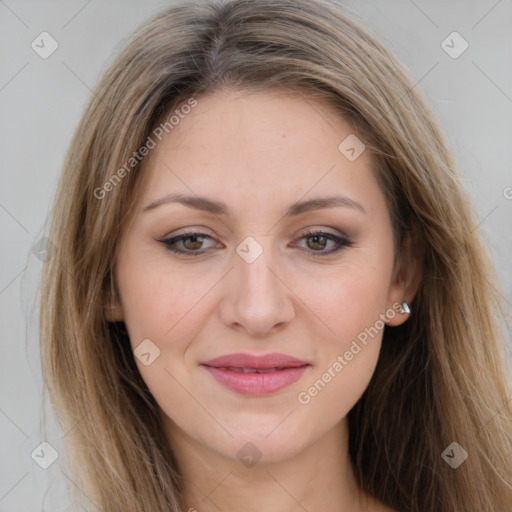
[(41, 101)]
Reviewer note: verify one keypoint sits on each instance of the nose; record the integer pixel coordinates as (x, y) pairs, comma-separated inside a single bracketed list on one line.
[(259, 301)]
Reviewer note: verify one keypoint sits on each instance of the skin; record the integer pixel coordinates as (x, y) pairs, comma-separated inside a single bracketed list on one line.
[(259, 153)]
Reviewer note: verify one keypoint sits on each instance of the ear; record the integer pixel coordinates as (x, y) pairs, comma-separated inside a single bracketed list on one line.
[(406, 278), (113, 307), (114, 311)]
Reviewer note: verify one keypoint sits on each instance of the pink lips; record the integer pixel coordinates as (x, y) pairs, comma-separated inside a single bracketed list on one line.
[(256, 375)]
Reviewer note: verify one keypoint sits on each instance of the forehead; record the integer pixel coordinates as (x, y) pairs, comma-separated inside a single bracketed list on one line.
[(263, 122), (262, 148)]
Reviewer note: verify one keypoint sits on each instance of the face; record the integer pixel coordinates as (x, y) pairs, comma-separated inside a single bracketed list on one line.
[(297, 289)]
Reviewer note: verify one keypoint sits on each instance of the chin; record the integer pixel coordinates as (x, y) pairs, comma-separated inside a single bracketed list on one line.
[(264, 445)]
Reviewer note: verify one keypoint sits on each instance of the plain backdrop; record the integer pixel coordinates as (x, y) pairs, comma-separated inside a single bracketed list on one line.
[(41, 101)]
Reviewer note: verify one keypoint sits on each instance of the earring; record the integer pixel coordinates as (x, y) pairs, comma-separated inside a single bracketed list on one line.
[(405, 308)]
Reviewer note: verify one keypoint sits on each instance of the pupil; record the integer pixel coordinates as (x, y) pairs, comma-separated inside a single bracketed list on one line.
[(315, 239), (195, 240)]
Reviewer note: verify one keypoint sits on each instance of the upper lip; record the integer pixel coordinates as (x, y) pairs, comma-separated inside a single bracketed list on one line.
[(260, 362)]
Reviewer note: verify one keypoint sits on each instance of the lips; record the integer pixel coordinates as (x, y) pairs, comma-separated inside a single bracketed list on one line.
[(250, 370), (263, 362), (256, 375)]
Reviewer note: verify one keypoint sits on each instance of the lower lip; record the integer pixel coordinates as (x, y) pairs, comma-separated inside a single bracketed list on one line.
[(256, 384)]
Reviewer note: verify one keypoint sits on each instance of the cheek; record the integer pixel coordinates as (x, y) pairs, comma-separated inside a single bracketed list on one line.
[(168, 307), (346, 359), (163, 307), (350, 298), (351, 302), (157, 300), (333, 390)]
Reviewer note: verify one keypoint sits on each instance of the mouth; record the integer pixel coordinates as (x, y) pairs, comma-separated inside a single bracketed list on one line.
[(250, 370), (246, 374)]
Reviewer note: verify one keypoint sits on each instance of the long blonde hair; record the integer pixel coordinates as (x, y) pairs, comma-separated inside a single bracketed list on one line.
[(441, 376)]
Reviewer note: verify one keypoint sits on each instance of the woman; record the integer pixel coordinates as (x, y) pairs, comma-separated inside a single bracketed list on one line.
[(267, 293)]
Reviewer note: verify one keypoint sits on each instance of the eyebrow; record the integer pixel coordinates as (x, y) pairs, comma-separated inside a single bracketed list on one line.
[(219, 208)]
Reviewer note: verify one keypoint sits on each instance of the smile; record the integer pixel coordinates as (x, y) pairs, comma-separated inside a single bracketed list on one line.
[(249, 381)]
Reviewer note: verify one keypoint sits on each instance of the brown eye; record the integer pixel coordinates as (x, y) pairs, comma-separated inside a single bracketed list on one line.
[(191, 243), (317, 241), (196, 242)]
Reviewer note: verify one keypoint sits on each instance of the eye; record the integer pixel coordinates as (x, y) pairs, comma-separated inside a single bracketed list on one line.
[(192, 243), (318, 240)]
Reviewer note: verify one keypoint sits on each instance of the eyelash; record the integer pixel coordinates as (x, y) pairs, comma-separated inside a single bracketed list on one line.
[(341, 241)]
